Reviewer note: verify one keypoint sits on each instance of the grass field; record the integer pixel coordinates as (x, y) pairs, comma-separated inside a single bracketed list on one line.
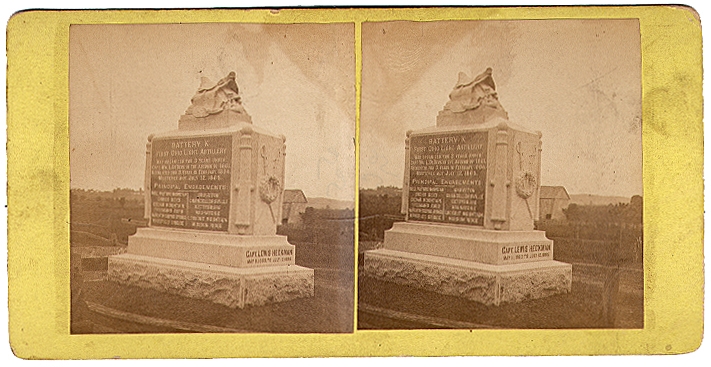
[(105, 307), (384, 305)]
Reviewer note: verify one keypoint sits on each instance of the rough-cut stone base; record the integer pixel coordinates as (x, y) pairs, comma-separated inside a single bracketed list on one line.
[(488, 284), (229, 286)]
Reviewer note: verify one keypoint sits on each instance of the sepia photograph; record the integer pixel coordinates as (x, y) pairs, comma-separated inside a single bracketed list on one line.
[(501, 175), (355, 182), (212, 178)]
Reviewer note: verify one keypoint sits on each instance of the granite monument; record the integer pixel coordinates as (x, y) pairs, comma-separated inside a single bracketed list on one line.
[(214, 190), (470, 196)]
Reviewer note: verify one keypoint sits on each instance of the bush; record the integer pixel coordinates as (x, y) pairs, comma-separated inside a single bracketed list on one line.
[(378, 210), (322, 226)]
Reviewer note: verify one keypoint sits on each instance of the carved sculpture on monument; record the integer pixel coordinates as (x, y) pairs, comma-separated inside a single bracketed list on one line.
[(214, 192), (470, 196), (212, 98), (215, 104), (473, 101)]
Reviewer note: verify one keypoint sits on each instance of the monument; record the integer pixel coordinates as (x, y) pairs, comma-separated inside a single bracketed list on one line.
[(214, 191), (470, 196)]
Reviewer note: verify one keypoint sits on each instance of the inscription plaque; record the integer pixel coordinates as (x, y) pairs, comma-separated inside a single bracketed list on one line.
[(526, 252), (190, 182), (447, 178), (270, 256)]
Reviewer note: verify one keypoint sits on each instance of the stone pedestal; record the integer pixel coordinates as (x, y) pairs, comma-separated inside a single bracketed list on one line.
[(470, 196), (226, 285), (235, 271), (484, 283), (232, 270), (486, 266), (214, 192), (471, 244)]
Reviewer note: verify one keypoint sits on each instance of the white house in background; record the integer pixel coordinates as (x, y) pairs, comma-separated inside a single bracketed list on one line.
[(293, 206), (553, 199)]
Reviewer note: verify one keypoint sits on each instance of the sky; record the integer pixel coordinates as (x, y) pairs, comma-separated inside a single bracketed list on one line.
[(576, 81), (130, 81)]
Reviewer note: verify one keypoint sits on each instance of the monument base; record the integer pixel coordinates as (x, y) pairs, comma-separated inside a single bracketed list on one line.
[(484, 283), (466, 243), (229, 286), (212, 248), (228, 269)]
